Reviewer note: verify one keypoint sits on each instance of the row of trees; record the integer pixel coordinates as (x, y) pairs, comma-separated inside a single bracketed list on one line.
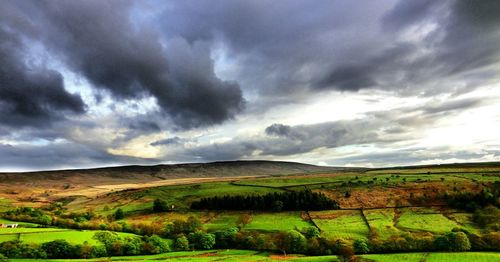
[(110, 245), (301, 200)]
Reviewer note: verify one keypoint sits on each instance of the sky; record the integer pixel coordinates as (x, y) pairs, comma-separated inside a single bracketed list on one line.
[(343, 83)]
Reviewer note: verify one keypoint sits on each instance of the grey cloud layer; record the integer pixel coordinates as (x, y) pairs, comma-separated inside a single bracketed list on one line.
[(99, 41), (384, 128), (30, 95), (274, 53)]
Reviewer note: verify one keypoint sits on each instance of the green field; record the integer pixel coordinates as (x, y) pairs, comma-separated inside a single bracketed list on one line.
[(181, 196), (270, 222), (422, 221), (291, 181), (41, 235), (248, 255), (5, 204), (72, 236), (222, 221), (341, 224), (382, 222), (21, 224), (28, 230), (436, 257)]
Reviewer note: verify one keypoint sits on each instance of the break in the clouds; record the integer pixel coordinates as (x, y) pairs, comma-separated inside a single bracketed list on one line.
[(92, 83)]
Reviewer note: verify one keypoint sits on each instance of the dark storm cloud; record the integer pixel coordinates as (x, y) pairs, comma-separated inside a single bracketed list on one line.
[(100, 41), (30, 95), (278, 130), (168, 141), (281, 47), (296, 46)]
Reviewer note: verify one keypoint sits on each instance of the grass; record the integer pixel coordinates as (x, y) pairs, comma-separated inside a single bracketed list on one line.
[(341, 224), (181, 196), (5, 204), (465, 220), (436, 257), (10, 237), (382, 222), (435, 223), (277, 222), (292, 181), (469, 256), (407, 257), (222, 221), (72, 236), (21, 224), (248, 255), (4, 231), (41, 235)]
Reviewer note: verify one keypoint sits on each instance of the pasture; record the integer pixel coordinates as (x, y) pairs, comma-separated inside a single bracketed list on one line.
[(248, 255), (425, 220), (341, 224), (436, 257), (271, 223), (42, 235), (382, 222)]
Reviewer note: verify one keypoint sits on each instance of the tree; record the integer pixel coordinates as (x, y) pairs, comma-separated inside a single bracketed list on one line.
[(3, 258), (277, 206), (310, 232), (202, 240), (160, 205), (243, 220), (156, 245), (119, 214), (345, 253), (295, 242), (360, 247), (181, 243), (58, 249), (453, 241), (459, 241)]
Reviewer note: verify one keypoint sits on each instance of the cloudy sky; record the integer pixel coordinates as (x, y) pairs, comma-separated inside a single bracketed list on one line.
[(344, 83)]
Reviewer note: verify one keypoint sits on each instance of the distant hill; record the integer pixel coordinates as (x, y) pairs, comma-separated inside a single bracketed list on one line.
[(136, 173)]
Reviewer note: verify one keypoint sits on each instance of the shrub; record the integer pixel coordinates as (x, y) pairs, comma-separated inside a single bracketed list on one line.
[(160, 205), (59, 249), (181, 243), (295, 242), (360, 247)]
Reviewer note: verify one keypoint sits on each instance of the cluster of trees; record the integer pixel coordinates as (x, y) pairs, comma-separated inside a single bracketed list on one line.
[(488, 217), (111, 245), (29, 214), (301, 200), (470, 201), (457, 240)]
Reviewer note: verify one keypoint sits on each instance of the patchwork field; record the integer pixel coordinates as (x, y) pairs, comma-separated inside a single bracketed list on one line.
[(269, 222), (382, 205), (341, 224), (425, 220), (42, 235), (248, 255), (382, 222)]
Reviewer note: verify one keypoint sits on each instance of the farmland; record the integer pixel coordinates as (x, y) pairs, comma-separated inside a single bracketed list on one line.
[(247, 255), (388, 210)]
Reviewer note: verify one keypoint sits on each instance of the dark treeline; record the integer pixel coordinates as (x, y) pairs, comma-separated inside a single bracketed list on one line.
[(471, 201), (302, 200)]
